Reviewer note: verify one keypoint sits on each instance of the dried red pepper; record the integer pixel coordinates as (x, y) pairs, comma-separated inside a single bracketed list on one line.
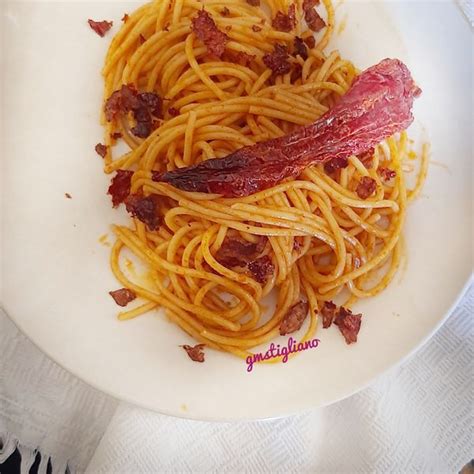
[(120, 186), (205, 29), (123, 296), (144, 106), (262, 269), (294, 318), (376, 106), (283, 22), (101, 150), (349, 324), (300, 48), (144, 209), (100, 27), (278, 60), (195, 353), (236, 251)]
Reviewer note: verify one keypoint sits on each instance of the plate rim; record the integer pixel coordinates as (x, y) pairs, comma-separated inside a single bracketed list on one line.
[(460, 293)]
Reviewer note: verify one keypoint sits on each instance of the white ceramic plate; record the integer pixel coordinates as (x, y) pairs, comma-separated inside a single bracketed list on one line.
[(55, 272)]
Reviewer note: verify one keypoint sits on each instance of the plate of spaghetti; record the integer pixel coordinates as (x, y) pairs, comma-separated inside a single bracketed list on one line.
[(277, 195)]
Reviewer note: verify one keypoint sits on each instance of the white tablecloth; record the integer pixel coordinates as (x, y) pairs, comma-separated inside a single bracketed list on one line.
[(418, 417)]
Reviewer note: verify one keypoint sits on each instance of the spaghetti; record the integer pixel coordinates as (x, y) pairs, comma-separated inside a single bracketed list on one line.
[(319, 238)]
